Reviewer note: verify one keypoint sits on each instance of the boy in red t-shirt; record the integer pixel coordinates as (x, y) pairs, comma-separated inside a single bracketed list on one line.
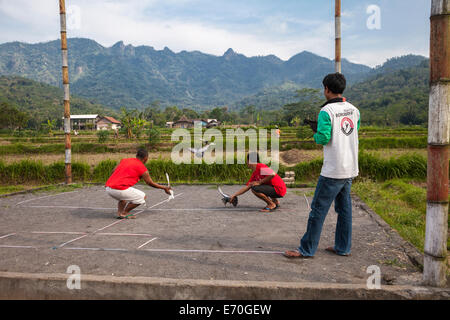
[(264, 183), (125, 175)]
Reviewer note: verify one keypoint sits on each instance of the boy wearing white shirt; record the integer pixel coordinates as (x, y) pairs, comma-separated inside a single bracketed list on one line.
[(337, 130)]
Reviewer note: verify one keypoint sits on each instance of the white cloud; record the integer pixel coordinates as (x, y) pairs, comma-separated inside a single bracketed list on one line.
[(375, 58), (109, 22), (137, 22)]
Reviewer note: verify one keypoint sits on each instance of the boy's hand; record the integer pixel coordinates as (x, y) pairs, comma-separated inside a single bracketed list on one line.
[(167, 190), (312, 124)]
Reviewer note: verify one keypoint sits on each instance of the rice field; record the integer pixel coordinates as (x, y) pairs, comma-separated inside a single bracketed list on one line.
[(385, 153)]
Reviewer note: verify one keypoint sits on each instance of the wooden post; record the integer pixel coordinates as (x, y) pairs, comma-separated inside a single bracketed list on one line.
[(435, 249), (338, 35), (65, 77)]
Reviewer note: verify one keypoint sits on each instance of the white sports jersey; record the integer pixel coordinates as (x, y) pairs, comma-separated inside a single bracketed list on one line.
[(341, 152)]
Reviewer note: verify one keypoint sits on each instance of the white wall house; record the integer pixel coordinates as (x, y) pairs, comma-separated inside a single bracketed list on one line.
[(93, 122)]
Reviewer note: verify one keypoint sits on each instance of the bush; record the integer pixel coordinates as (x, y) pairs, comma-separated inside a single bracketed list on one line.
[(26, 172), (154, 137), (103, 136), (304, 132), (406, 166), (19, 133), (103, 170), (374, 168)]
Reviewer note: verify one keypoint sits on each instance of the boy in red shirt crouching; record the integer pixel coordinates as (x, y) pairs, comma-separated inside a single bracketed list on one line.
[(125, 175), (264, 183)]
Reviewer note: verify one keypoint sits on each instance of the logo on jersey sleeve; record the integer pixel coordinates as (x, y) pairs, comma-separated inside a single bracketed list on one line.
[(347, 126)]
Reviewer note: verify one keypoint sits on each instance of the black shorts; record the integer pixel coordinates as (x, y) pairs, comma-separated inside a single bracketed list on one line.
[(268, 190)]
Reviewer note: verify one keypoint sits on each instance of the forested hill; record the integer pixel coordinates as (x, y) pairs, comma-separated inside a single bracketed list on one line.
[(382, 87), (399, 63), (42, 101), (399, 96), (137, 76)]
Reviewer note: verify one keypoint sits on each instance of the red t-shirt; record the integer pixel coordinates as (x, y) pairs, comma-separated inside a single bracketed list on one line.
[(127, 174), (263, 171)]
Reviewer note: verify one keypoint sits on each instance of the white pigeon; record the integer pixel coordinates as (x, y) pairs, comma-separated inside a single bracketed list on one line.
[(199, 152)]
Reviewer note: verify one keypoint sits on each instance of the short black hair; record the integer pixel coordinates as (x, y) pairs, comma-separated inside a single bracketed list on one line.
[(252, 156), (142, 153), (335, 82)]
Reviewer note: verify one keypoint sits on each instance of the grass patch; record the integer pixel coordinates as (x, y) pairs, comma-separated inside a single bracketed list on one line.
[(400, 204), (41, 188), (34, 172), (393, 143), (60, 188), (405, 166), (11, 189)]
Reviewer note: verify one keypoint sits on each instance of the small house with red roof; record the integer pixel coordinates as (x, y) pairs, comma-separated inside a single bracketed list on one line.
[(108, 123)]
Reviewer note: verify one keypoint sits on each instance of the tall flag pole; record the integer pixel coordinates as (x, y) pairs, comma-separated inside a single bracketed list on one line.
[(338, 35), (65, 77), (435, 248)]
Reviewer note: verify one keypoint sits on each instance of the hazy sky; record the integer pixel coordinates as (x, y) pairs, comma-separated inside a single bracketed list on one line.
[(251, 27)]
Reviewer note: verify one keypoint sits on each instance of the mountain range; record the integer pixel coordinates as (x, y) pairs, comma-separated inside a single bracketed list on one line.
[(136, 76)]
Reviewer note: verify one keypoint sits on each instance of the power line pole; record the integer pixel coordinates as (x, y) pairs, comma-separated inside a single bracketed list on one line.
[(338, 35), (65, 77), (435, 249)]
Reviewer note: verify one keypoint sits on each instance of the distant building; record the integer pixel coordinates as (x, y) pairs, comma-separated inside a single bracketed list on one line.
[(189, 123), (93, 122), (108, 123), (212, 123)]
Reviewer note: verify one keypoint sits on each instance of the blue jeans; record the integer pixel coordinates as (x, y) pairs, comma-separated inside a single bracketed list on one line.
[(328, 190)]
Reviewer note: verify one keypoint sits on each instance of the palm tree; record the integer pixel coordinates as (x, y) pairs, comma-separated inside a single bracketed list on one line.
[(138, 126), (50, 125), (296, 121), (127, 118)]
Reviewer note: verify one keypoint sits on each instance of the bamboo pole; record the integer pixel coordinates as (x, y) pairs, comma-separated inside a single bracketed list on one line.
[(435, 249), (338, 36), (65, 77)]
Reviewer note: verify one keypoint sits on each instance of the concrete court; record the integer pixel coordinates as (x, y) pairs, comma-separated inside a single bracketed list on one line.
[(191, 237)]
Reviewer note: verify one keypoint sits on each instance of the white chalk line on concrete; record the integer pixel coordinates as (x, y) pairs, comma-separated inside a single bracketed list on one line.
[(125, 234), (72, 233), (95, 249), (6, 236), (100, 234), (154, 209), (112, 224), (214, 251), (57, 232), (69, 207), (142, 245), (17, 247), (70, 241), (53, 195), (179, 250)]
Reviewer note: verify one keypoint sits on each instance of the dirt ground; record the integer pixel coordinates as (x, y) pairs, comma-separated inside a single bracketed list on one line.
[(295, 156), (91, 159), (190, 237), (287, 158)]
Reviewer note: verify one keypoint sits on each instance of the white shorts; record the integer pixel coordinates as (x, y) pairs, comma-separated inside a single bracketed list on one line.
[(132, 195)]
